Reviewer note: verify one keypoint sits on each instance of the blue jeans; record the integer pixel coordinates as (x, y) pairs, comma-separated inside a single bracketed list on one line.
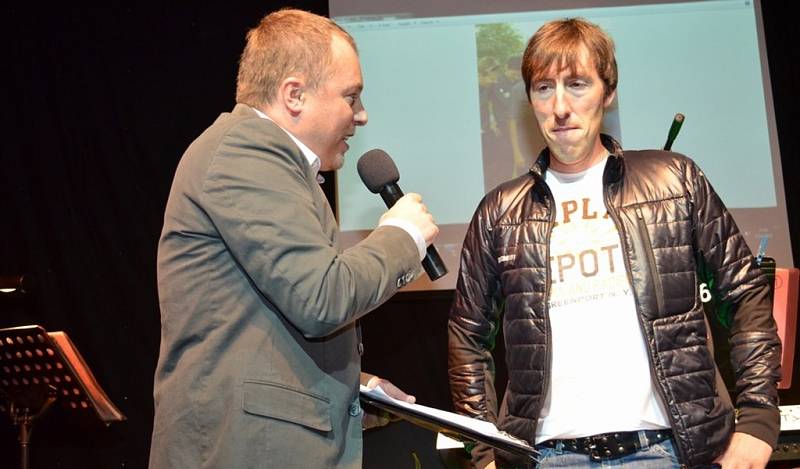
[(656, 456)]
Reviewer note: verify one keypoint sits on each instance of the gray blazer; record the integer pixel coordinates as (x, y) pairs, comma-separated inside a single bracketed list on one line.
[(259, 362)]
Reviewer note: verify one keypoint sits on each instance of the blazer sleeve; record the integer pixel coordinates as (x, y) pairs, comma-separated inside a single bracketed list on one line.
[(260, 194)]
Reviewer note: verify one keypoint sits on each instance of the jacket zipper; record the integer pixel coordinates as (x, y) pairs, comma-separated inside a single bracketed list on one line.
[(548, 357), (621, 231)]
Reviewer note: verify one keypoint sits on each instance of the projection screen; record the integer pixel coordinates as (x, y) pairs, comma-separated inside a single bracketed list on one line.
[(445, 100)]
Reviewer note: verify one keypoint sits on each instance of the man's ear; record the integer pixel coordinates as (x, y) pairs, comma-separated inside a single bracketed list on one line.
[(292, 94), (609, 99)]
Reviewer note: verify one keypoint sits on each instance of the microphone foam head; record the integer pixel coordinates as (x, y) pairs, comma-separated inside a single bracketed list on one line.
[(377, 169)]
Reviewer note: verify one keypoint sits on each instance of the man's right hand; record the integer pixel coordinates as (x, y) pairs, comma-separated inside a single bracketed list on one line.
[(411, 209)]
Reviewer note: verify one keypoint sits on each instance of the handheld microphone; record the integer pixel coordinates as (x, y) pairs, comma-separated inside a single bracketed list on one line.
[(677, 122), (380, 175)]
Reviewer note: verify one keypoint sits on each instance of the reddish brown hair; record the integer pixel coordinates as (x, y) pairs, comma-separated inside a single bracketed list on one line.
[(562, 41), (285, 43)]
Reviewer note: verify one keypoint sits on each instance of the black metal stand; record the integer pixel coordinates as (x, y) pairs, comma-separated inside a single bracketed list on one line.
[(23, 419), (40, 368)]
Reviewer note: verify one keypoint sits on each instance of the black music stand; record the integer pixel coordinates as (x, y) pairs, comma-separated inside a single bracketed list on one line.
[(39, 369)]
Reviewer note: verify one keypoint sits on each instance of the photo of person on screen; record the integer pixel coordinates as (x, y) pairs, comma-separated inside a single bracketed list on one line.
[(589, 264), (522, 134), (500, 45)]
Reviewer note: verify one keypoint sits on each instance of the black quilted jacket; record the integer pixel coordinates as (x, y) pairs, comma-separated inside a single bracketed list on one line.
[(668, 217)]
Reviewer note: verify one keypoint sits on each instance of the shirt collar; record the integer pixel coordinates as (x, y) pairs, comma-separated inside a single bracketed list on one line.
[(313, 159)]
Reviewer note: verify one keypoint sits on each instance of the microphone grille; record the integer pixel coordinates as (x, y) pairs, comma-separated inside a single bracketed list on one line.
[(377, 169)]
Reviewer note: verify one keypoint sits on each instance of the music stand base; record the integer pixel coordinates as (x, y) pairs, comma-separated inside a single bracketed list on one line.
[(23, 419)]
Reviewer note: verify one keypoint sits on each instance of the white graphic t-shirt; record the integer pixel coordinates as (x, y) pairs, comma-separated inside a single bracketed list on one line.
[(600, 379)]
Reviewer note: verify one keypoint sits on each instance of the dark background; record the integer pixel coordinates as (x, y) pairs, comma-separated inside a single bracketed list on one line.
[(98, 104)]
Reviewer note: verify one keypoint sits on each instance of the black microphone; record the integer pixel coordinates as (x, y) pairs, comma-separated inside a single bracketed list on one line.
[(380, 175)]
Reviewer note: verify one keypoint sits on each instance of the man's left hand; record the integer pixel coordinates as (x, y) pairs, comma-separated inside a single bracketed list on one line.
[(381, 418), (745, 452)]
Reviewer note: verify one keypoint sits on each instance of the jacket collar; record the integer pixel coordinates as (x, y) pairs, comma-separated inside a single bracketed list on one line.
[(312, 158), (614, 165), (243, 110)]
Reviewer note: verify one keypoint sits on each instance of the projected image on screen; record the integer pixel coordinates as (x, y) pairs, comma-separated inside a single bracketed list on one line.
[(445, 99), (509, 135)]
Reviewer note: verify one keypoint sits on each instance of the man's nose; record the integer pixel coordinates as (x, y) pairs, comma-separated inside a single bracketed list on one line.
[(561, 106), (360, 116)]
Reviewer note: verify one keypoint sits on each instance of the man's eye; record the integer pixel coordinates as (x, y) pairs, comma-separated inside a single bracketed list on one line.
[(578, 84), (351, 99), (542, 88)]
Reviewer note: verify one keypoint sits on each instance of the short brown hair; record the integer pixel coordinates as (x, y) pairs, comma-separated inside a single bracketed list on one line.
[(561, 41), (284, 43)]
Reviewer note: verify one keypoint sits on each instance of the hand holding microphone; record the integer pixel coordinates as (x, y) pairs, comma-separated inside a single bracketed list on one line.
[(410, 208), (380, 175)]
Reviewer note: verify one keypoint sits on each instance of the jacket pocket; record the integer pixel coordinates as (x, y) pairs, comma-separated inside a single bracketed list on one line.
[(647, 246), (282, 402)]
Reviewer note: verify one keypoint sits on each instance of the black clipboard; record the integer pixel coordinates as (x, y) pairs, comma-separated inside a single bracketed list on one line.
[(450, 429)]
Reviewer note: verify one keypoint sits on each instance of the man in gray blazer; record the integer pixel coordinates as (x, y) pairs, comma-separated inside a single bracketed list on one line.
[(259, 363)]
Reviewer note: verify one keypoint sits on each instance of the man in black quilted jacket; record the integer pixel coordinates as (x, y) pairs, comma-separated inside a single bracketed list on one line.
[(590, 264)]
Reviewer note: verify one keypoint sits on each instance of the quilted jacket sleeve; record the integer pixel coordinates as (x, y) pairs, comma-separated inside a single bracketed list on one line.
[(755, 346), (473, 325)]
